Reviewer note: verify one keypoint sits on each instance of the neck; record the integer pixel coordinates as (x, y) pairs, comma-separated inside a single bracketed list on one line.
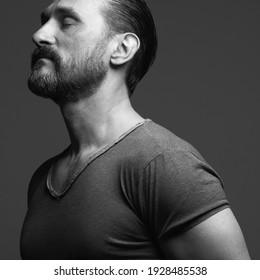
[(97, 120)]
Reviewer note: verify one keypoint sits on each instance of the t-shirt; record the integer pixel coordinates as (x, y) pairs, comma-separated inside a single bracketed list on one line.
[(146, 186)]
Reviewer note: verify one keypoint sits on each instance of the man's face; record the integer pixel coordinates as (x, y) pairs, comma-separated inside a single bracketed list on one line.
[(69, 61)]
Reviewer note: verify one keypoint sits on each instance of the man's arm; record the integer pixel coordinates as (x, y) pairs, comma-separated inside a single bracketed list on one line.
[(219, 237)]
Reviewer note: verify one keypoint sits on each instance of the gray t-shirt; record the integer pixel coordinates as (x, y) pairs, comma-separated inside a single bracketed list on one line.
[(147, 186)]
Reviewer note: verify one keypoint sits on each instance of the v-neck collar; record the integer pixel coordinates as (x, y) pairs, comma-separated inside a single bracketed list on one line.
[(68, 183)]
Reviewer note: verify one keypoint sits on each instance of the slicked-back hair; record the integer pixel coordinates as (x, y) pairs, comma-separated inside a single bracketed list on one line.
[(134, 16)]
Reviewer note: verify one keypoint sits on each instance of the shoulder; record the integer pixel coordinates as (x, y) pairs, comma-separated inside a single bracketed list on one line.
[(151, 141), (155, 136), (174, 182)]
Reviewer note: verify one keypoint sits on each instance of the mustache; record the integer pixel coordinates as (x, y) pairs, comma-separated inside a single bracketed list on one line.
[(45, 52)]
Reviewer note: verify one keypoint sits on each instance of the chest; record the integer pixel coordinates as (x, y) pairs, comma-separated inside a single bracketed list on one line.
[(93, 220)]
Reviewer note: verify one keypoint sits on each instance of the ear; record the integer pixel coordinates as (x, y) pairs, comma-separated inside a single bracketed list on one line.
[(127, 46)]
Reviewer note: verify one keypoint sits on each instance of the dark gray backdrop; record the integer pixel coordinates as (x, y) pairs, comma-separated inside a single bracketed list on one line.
[(204, 87)]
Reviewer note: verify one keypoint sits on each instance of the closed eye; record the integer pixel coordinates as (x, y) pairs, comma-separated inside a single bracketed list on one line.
[(66, 16), (67, 21)]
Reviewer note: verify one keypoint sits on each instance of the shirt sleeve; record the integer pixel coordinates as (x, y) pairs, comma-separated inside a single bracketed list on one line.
[(178, 190)]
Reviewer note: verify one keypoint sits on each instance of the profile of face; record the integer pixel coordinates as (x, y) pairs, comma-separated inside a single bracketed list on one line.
[(68, 63)]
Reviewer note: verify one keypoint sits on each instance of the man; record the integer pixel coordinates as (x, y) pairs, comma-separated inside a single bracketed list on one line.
[(125, 188)]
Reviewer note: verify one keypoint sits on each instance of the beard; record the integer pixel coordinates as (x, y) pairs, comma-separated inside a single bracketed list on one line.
[(70, 80)]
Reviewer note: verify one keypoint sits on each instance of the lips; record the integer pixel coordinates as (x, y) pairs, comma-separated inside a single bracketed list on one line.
[(43, 58), (43, 53), (40, 57)]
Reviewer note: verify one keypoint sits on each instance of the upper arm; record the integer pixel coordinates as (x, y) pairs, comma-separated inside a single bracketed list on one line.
[(218, 237)]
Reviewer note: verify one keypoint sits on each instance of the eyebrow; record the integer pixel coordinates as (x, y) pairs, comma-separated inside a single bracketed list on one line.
[(61, 11)]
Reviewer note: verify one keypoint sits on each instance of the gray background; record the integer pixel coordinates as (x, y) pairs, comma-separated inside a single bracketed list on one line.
[(204, 87)]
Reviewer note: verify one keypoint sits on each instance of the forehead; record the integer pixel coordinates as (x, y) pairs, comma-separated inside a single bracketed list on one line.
[(85, 9)]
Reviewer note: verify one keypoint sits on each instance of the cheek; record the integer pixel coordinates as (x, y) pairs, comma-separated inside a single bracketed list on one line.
[(75, 49), (70, 53), (69, 45)]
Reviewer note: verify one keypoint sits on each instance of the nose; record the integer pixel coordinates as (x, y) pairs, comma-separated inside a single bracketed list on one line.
[(44, 36)]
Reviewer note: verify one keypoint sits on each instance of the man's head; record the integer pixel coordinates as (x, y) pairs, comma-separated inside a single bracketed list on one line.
[(81, 40)]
